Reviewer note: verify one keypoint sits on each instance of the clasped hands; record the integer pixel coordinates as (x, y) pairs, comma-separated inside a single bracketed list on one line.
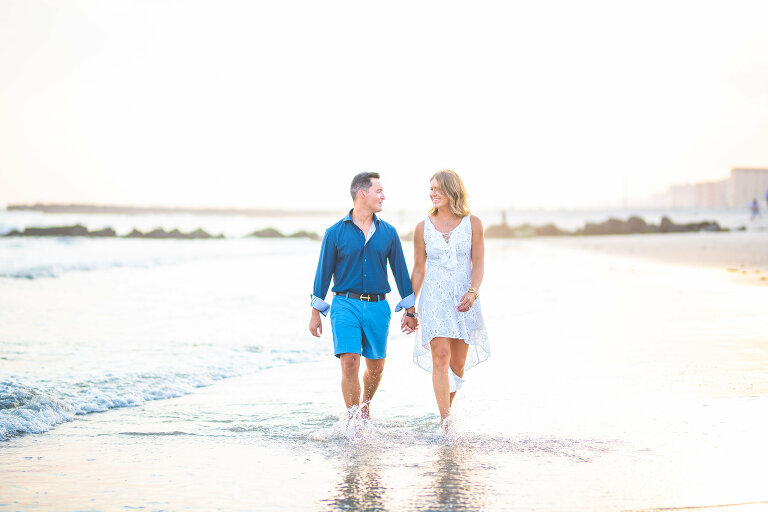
[(408, 324)]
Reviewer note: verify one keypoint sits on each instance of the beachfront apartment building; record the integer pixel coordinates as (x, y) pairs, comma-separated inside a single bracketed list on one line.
[(737, 191), (708, 194), (746, 185)]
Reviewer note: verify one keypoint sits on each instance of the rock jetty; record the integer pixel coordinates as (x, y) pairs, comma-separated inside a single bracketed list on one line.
[(76, 230), (81, 231), (636, 225), (198, 234), (612, 226), (524, 230), (159, 233), (273, 233)]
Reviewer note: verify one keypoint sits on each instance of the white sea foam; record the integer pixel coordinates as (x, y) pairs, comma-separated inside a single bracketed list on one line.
[(27, 409), (36, 408), (383, 435)]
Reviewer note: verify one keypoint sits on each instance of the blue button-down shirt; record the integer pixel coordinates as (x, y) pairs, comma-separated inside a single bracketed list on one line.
[(359, 264)]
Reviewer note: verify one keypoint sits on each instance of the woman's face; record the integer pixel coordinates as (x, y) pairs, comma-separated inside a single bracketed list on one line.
[(436, 195)]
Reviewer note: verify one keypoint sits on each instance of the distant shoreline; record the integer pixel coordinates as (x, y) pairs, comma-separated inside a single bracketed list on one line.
[(154, 210)]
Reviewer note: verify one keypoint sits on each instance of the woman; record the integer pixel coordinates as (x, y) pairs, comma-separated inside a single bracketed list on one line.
[(448, 262)]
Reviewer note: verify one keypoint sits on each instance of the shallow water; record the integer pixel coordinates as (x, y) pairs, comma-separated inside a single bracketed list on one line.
[(613, 385), (79, 341)]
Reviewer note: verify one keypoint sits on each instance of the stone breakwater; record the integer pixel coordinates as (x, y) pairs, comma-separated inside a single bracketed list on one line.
[(633, 225), (612, 226), (198, 234)]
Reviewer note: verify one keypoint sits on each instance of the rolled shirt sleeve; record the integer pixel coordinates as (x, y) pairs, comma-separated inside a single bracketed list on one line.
[(320, 305), (407, 302)]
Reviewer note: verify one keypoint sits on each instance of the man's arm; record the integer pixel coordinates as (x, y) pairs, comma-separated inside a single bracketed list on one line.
[(402, 279), (325, 268)]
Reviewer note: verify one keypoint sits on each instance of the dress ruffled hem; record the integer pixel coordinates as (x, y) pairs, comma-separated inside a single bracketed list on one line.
[(476, 354)]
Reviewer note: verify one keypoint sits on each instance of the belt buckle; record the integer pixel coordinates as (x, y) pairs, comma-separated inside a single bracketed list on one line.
[(365, 297)]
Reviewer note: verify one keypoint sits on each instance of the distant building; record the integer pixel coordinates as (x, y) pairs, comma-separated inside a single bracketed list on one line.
[(709, 194), (680, 196), (737, 191), (746, 185)]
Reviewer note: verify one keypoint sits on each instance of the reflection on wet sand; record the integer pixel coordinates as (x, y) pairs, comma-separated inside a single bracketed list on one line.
[(360, 488), (454, 481)]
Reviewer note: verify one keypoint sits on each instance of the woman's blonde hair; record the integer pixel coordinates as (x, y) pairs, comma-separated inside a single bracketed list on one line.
[(452, 186)]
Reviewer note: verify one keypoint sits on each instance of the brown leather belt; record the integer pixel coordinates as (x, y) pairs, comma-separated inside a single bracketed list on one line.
[(368, 297)]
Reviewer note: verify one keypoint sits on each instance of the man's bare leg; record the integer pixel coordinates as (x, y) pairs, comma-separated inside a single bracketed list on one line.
[(350, 381), (459, 351), (371, 379)]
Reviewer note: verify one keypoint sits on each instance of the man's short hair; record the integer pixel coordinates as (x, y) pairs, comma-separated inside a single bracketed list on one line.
[(362, 182)]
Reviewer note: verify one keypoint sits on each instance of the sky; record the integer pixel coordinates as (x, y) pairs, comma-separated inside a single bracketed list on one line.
[(278, 104)]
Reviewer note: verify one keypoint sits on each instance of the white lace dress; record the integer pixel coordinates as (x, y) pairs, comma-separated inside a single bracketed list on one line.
[(446, 280)]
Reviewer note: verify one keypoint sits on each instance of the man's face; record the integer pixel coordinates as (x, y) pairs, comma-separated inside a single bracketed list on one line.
[(374, 197)]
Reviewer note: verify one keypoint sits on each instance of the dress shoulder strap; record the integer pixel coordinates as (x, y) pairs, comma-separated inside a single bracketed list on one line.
[(427, 226), (468, 223)]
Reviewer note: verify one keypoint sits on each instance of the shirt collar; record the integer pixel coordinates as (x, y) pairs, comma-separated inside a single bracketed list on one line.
[(349, 218)]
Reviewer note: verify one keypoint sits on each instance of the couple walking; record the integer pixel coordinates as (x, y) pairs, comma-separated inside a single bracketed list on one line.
[(448, 271)]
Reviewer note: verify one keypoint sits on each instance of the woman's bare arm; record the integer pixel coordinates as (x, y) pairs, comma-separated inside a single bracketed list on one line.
[(419, 258)]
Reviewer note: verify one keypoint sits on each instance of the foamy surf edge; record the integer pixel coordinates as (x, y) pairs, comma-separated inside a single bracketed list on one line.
[(27, 408)]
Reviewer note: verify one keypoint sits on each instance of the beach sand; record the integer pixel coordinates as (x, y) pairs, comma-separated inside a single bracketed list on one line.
[(746, 250), (627, 373)]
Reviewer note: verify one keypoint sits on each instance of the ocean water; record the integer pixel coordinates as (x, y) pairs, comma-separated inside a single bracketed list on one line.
[(613, 384), (404, 220), (87, 325)]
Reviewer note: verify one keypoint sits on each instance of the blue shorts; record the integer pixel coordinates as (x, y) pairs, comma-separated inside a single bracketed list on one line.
[(360, 327)]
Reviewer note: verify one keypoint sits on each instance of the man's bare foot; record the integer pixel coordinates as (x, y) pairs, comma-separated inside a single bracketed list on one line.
[(365, 413)]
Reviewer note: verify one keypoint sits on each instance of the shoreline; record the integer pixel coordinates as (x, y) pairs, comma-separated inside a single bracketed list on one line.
[(741, 254)]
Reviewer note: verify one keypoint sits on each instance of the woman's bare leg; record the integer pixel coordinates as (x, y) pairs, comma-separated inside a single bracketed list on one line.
[(441, 357), (458, 357)]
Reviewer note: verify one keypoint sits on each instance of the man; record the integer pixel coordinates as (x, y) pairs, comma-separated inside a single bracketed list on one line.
[(354, 252)]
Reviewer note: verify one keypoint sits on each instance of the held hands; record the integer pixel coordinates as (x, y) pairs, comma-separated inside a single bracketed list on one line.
[(467, 300), (408, 324)]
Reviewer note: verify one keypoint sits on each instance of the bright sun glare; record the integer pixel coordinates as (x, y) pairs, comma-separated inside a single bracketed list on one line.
[(241, 104)]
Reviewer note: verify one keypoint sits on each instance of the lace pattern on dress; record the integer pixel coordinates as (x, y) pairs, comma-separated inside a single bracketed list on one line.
[(447, 278)]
